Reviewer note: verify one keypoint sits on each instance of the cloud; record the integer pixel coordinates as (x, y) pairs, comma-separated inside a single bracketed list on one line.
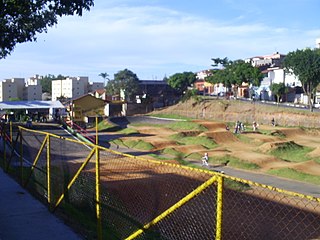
[(151, 41)]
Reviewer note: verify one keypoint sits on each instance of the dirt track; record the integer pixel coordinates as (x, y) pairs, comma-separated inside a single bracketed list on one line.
[(255, 150)]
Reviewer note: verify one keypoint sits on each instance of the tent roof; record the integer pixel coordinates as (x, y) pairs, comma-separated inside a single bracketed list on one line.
[(30, 105)]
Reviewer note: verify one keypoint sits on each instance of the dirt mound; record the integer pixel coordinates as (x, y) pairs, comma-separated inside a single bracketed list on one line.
[(314, 153), (291, 132), (221, 137), (310, 167), (211, 126), (161, 144), (191, 149), (261, 138), (155, 131), (269, 146)]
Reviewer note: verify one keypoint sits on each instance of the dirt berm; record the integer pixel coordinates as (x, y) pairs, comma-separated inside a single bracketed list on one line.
[(247, 112)]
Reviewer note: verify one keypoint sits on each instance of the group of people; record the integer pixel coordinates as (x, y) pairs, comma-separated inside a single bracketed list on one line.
[(239, 127)]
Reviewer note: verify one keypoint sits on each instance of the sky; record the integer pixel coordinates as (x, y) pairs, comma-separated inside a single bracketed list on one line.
[(158, 38)]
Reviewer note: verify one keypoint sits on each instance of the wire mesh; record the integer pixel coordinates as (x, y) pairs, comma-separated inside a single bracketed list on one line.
[(135, 191), (253, 211)]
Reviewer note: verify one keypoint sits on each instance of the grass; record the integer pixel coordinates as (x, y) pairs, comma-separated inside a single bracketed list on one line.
[(191, 126), (171, 151), (194, 140), (235, 162), (238, 186), (106, 126), (138, 144), (243, 138), (170, 116), (292, 152), (295, 175), (128, 131)]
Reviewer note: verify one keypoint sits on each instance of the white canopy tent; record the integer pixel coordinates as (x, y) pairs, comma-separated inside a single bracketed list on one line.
[(31, 105)]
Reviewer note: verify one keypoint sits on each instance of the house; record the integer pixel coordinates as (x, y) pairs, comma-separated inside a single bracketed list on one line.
[(100, 93), (86, 107)]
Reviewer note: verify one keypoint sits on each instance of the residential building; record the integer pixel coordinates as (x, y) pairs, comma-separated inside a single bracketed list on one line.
[(100, 93), (11, 89), (205, 87), (266, 61), (94, 86), (85, 107), (73, 87), (33, 89)]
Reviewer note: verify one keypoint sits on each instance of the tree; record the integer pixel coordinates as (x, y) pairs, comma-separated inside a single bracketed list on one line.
[(105, 77), (278, 89), (46, 82), (234, 74), (181, 81), (124, 80), (22, 20), (305, 64)]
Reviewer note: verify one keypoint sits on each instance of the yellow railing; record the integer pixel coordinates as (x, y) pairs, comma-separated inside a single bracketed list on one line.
[(129, 197)]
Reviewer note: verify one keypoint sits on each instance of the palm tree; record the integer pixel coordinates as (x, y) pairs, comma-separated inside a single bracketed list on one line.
[(104, 76)]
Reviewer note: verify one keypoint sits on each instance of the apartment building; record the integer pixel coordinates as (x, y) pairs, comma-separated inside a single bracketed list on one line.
[(11, 89), (73, 87), (33, 89)]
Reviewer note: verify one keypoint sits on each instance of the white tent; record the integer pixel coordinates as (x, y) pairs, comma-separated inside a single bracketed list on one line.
[(31, 105)]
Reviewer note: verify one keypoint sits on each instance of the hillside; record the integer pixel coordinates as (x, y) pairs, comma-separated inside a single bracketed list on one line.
[(233, 110)]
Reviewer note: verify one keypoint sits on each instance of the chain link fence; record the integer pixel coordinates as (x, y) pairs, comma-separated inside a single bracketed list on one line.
[(110, 195)]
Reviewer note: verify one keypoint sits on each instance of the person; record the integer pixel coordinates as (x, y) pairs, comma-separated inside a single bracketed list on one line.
[(237, 127), (273, 122), (255, 126), (205, 159)]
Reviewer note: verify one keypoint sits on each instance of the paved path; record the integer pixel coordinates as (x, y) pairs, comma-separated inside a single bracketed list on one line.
[(24, 218)]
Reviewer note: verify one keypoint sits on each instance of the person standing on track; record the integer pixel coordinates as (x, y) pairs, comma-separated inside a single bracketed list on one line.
[(205, 159)]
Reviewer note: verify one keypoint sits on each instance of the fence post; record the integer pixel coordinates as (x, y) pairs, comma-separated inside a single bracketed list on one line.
[(97, 140), (4, 148), (48, 171), (98, 206), (219, 208), (21, 155), (11, 132)]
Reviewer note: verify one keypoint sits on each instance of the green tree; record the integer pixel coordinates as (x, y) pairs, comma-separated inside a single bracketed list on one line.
[(181, 81), (124, 80), (105, 77), (22, 20), (278, 89), (46, 83), (305, 64), (234, 74)]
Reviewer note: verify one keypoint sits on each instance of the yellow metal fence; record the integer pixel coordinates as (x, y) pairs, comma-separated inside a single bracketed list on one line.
[(119, 196)]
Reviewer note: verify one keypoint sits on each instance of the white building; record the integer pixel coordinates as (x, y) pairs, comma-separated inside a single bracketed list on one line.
[(73, 87)]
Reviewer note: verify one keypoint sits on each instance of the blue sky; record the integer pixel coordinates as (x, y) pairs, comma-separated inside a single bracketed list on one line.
[(158, 38)]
